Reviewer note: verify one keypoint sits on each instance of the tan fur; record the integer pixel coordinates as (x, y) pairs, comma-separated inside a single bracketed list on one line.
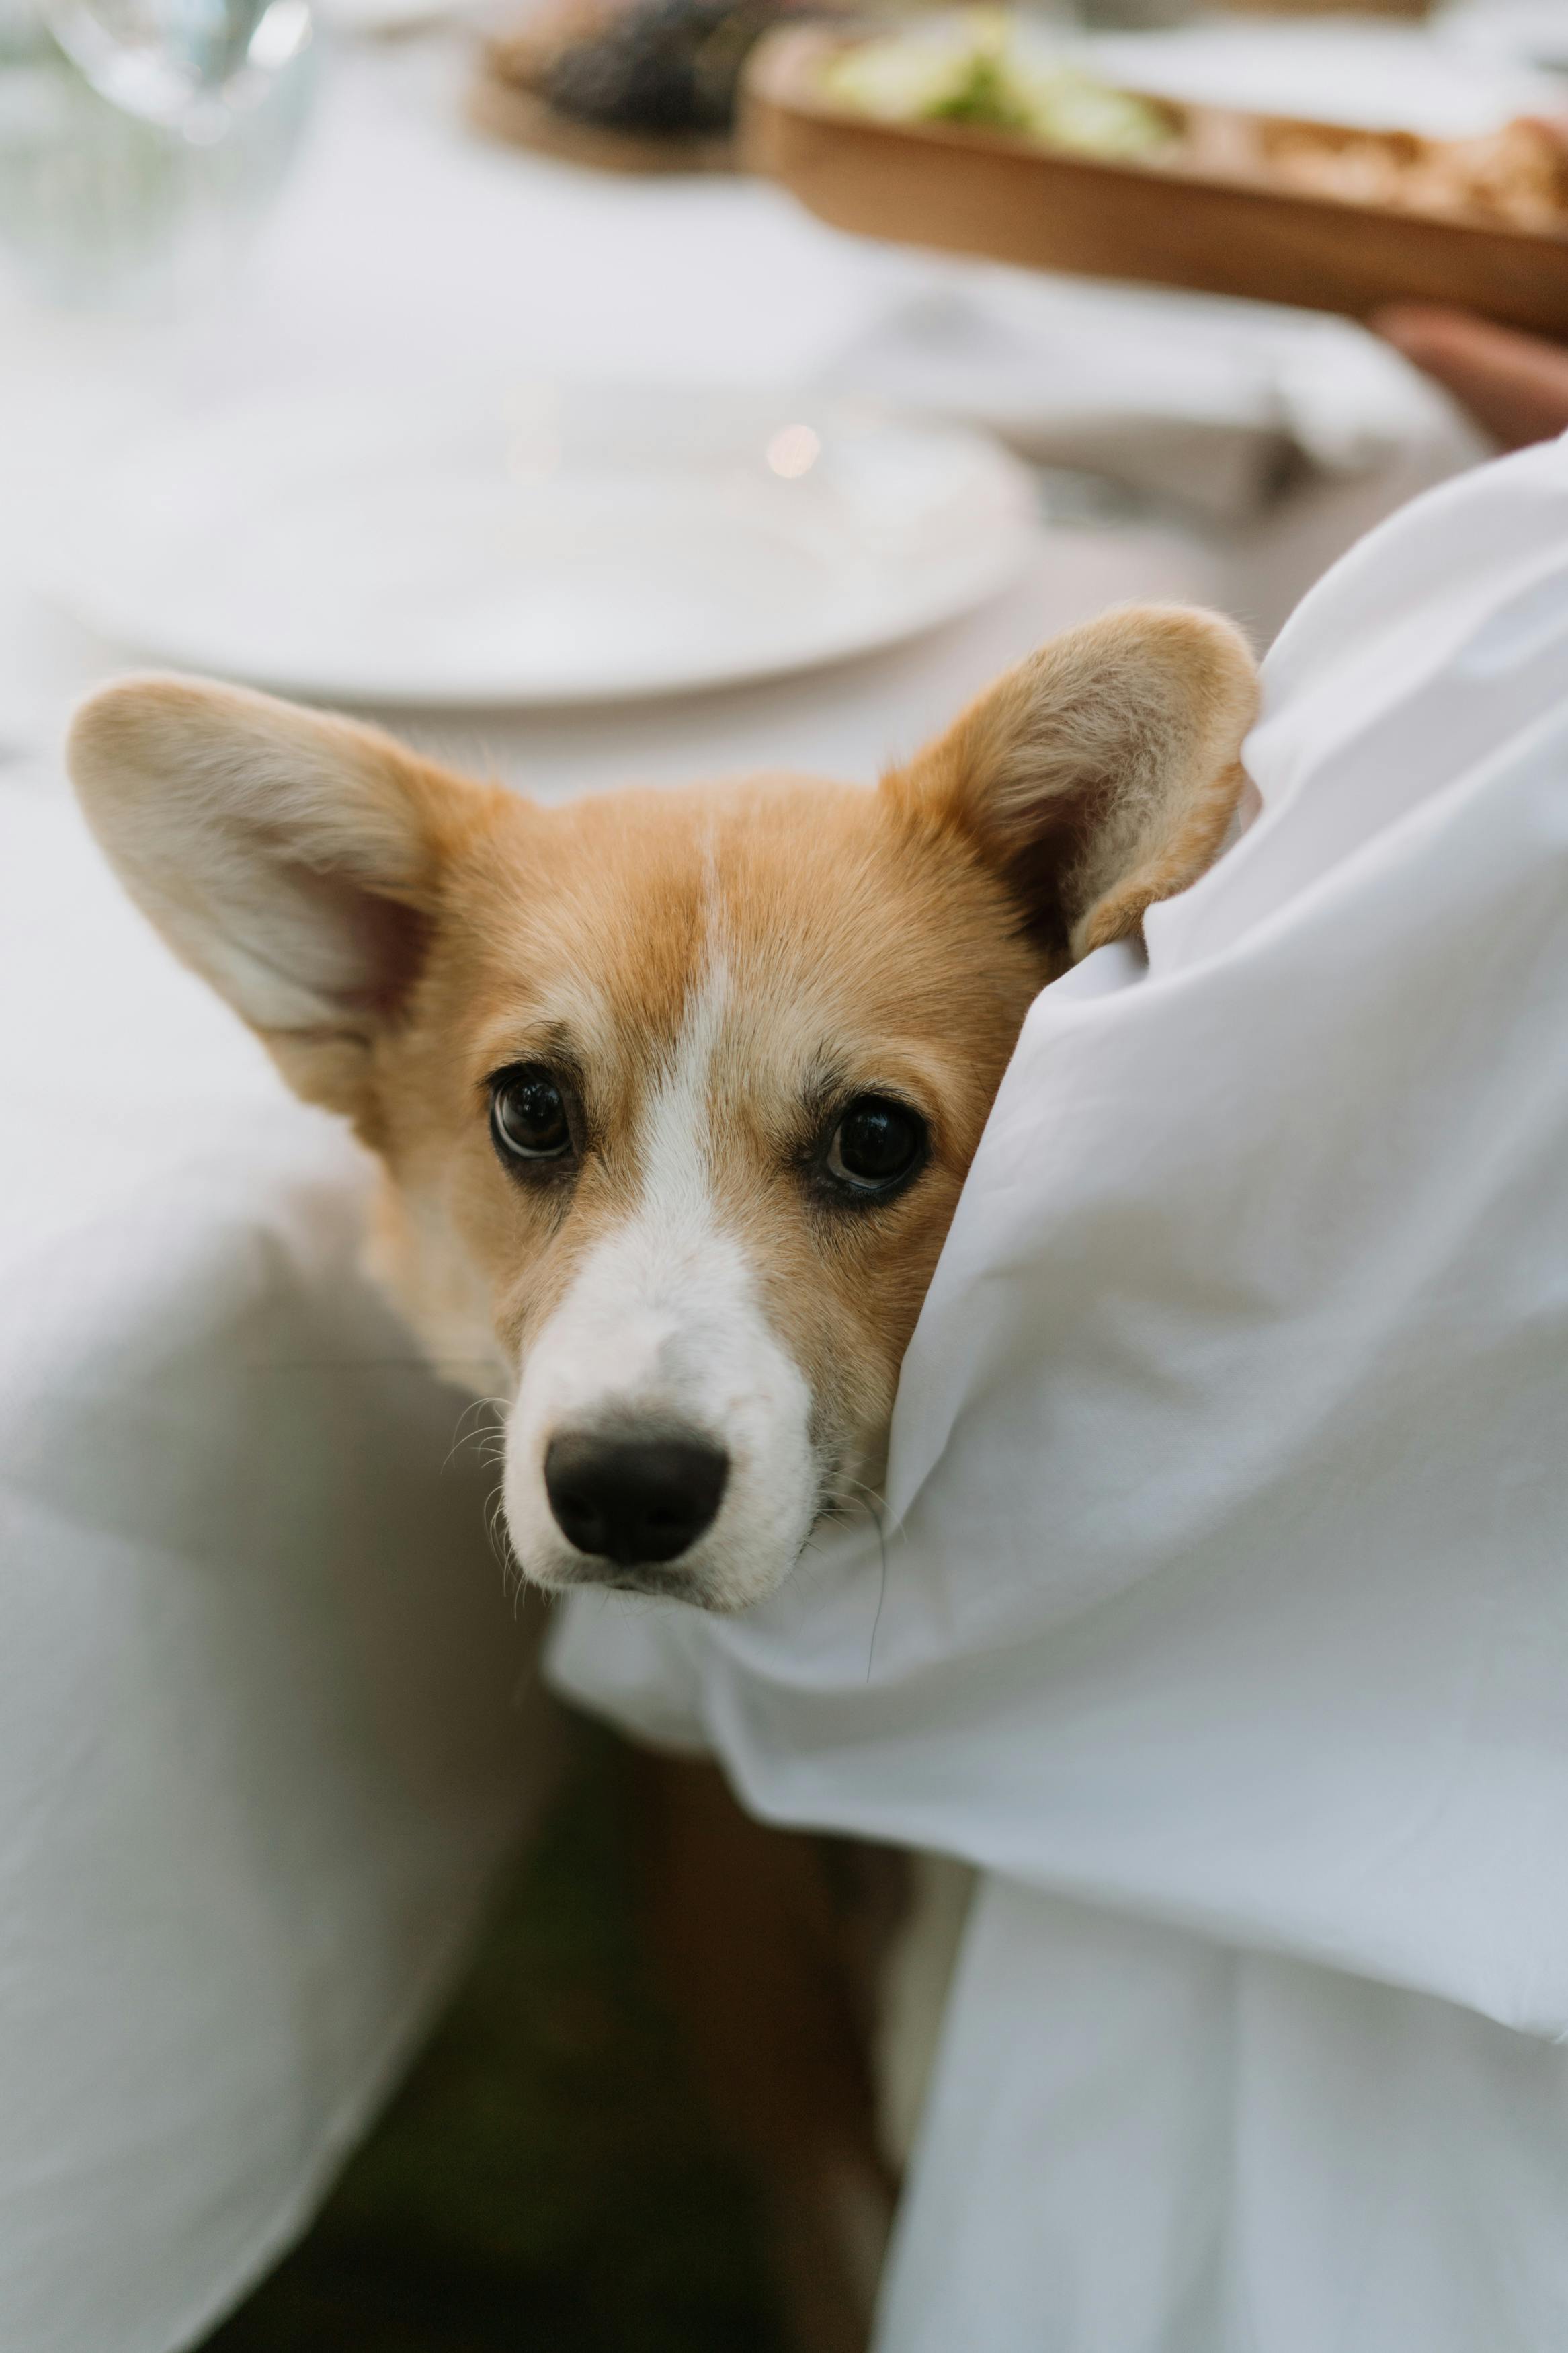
[(396, 933)]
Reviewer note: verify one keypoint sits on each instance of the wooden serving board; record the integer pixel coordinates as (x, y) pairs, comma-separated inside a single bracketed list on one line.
[(985, 192)]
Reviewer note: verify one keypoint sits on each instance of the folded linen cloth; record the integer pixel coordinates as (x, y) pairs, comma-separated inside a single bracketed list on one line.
[(1221, 1620), (1215, 406)]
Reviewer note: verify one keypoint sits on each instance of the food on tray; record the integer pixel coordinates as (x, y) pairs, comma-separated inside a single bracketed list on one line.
[(984, 67), (1518, 175), (990, 70), (656, 68)]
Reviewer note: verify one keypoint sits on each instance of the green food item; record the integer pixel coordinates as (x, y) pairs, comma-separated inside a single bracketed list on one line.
[(985, 95), (980, 66)]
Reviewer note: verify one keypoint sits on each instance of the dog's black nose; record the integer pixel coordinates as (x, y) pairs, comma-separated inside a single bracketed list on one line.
[(630, 1499)]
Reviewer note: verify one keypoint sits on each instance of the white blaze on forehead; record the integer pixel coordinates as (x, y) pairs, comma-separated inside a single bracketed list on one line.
[(676, 1145), (663, 1326)]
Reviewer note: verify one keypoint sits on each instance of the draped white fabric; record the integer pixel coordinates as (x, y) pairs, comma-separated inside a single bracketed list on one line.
[(1223, 1614), (265, 1721)]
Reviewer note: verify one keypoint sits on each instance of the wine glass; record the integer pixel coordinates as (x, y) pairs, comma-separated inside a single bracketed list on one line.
[(189, 64)]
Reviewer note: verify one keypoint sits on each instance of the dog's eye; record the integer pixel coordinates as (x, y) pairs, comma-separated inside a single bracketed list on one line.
[(875, 1144), (527, 1114)]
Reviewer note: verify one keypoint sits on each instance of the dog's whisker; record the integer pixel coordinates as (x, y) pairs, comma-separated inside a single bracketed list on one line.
[(867, 1500), (513, 1576), (483, 1432)]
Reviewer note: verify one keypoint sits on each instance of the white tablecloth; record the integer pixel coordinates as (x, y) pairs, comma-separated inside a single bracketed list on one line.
[(258, 1745), (261, 1743)]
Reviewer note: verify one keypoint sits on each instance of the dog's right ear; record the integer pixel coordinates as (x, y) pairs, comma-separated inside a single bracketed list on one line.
[(290, 858)]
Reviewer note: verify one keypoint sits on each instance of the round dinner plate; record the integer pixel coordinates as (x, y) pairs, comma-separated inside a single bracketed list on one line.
[(547, 544)]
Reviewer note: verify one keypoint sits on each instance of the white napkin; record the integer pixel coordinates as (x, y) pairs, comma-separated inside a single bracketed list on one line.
[(1216, 406), (1223, 1620)]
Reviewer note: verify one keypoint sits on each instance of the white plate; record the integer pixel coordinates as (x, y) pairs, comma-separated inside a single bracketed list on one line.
[(550, 545)]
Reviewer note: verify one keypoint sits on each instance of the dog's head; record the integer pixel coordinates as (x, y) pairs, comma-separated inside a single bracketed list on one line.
[(673, 1090)]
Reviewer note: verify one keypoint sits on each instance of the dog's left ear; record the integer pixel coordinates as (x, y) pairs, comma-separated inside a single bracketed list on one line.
[(1100, 774)]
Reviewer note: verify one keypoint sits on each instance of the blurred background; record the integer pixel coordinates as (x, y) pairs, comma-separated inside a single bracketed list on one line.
[(531, 380)]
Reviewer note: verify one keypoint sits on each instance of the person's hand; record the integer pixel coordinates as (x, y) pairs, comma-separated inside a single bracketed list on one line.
[(1515, 386)]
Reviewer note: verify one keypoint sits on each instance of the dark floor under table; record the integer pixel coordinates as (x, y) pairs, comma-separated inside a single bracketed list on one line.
[(546, 2181)]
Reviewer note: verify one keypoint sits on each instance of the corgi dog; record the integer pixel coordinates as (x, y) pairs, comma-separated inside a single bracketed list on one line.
[(673, 1091)]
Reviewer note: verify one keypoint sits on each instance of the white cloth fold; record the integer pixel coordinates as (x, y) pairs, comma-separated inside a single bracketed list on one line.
[(1223, 1615), (1218, 407)]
